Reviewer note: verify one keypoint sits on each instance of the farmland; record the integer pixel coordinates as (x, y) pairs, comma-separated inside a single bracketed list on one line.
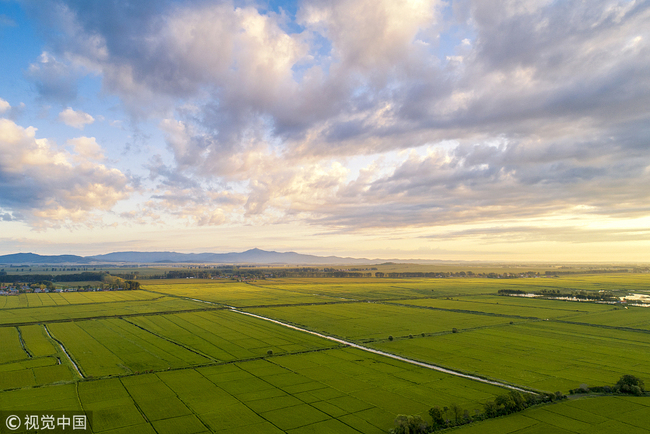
[(179, 356), (590, 415)]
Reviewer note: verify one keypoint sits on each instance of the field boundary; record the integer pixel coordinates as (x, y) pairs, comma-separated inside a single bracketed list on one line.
[(22, 343), (64, 350), (170, 340), (385, 354), (120, 315)]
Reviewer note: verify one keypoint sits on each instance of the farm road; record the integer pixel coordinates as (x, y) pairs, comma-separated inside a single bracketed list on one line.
[(383, 353)]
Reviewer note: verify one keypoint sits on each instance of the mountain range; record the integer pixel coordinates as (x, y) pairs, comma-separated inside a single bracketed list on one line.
[(253, 256)]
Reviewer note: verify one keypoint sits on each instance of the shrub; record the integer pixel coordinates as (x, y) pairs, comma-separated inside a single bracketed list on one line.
[(437, 416), (407, 424), (629, 381), (390, 338)]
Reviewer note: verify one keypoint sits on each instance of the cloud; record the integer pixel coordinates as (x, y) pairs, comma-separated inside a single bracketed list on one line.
[(54, 80), (45, 186), (87, 148), (76, 119), (4, 106), (475, 112), (564, 234)]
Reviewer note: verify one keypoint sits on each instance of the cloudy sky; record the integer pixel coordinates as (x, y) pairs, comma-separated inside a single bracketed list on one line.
[(515, 130)]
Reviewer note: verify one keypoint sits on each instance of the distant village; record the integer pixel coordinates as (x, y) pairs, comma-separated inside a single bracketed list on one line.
[(41, 288)]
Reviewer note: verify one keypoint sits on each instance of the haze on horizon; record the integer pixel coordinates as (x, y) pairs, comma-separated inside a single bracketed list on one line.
[(468, 130)]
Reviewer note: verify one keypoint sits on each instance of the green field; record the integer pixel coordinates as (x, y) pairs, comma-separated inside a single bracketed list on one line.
[(100, 308), (540, 355), (364, 321), (174, 357), (602, 415), (338, 390)]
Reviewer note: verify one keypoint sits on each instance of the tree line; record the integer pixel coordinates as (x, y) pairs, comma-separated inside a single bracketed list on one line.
[(46, 281), (627, 384), (555, 293), (454, 415), (505, 404)]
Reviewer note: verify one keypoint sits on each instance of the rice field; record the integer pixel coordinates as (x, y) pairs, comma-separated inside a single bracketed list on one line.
[(541, 355), (103, 308), (602, 415), (337, 390), (175, 358), (368, 321)]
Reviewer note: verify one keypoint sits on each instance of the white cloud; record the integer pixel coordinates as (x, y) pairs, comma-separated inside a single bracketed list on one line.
[(4, 105), (54, 80), (87, 147), (76, 119), (546, 104), (49, 186)]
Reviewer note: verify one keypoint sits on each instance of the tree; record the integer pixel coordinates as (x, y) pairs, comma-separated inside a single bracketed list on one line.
[(490, 408), (437, 416), (518, 401), (456, 412), (504, 403), (630, 384), (407, 424)]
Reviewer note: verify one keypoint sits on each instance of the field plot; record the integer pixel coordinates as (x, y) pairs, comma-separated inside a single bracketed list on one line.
[(542, 355), (338, 390), (225, 335), (359, 321), (33, 372), (633, 317), (98, 309), (113, 347), (232, 293), (11, 350), (54, 398), (514, 306), (158, 361), (600, 415), (36, 341), (118, 346), (66, 298), (40, 366), (385, 288), (359, 289), (13, 301)]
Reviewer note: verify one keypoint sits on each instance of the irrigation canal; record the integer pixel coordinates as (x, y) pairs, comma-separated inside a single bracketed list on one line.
[(381, 353)]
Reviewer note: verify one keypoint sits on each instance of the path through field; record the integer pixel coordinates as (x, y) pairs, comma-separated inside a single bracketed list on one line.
[(383, 353)]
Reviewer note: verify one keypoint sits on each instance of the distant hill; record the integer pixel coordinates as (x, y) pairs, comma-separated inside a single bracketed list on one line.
[(253, 256), (32, 258)]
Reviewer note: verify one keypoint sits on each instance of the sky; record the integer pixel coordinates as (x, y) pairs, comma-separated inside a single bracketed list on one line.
[(514, 130)]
